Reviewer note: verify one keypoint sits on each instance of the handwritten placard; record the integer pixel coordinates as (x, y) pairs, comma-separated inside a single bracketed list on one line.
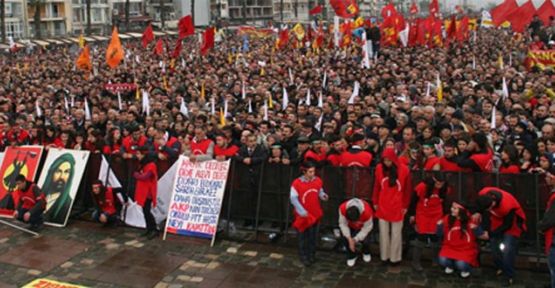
[(198, 192), (47, 283)]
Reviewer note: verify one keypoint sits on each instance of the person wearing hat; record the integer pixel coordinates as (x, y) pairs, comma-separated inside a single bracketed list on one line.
[(355, 223), (391, 199), (428, 205), (298, 154), (305, 195), (316, 153), (504, 221), (459, 247), (355, 155), (547, 225), (278, 155)]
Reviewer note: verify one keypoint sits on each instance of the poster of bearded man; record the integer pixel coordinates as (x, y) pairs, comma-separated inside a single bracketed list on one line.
[(60, 178)]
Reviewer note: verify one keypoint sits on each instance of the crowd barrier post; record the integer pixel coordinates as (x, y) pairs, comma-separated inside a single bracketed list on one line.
[(258, 200), (230, 196)]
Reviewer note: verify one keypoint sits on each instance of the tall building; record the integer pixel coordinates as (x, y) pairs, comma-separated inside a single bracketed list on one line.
[(55, 19), (15, 18), (100, 17), (251, 11)]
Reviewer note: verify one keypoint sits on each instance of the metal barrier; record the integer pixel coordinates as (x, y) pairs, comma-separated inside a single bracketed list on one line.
[(259, 195)]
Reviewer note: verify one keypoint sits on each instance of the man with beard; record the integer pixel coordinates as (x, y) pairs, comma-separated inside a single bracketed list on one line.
[(57, 188)]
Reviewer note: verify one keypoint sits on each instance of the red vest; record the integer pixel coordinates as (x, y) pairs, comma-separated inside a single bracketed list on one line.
[(458, 245), (147, 189), (311, 155), (20, 138), (497, 214), (511, 169), (228, 152), (484, 161), (107, 204), (428, 210), (550, 231), (392, 199), (430, 163), (29, 198), (171, 141), (131, 146), (200, 148), (334, 159), (449, 166), (365, 216), (359, 159), (308, 193)]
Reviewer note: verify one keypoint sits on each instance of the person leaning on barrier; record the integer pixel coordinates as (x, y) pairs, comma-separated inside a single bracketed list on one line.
[(202, 148), (504, 224), (278, 155), (355, 223), (223, 149), (547, 226), (32, 203), (166, 146), (305, 195)]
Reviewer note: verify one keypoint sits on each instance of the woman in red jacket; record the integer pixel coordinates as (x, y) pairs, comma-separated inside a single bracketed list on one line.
[(459, 248), (509, 160), (391, 198), (430, 204), (146, 190)]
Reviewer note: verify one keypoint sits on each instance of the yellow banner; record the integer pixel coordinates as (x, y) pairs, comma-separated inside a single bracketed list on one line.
[(47, 283)]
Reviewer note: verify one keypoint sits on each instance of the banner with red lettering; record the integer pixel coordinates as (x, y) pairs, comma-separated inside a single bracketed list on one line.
[(47, 283), (120, 87), (198, 192), (541, 58)]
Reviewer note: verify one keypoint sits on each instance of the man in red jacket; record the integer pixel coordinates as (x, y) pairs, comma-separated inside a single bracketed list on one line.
[(355, 223), (356, 179), (103, 196), (505, 224), (32, 202), (547, 226)]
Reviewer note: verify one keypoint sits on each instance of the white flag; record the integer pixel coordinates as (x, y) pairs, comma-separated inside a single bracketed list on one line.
[(39, 112), (325, 79), (307, 101), (146, 102), (493, 124), (320, 100), (318, 125), (183, 108), (243, 91), (107, 176), (285, 99), (505, 89), (474, 62), (355, 93), (404, 36), (213, 106), (291, 79), (119, 102), (66, 104), (87, 110), (250, 106), (225, 108), (336, 34), (365, 52), (428, 88), (72, 101), (137, 59), (265, 111)]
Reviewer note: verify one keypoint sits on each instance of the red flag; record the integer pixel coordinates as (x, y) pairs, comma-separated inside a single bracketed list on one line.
[(462, 32), (388, 11), (316, 10), (177, 49), (434, 8), (546, 10), (452, 29), (345, 8), (499, 14), (319, 38), (159, 48), (424, 31), (208, 42), (413, 8), (413, 32), (393, 23), (437, 37), (148, 35), (283, 39), (186, 26), (521, 17)]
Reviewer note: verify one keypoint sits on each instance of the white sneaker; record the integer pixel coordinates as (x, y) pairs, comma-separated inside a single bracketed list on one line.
[(366, 258), (465, 274), (449, 270), (351, 262)]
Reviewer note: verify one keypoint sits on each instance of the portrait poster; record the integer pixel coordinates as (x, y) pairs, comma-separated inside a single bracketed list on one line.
[(59, 179), (17, 160)]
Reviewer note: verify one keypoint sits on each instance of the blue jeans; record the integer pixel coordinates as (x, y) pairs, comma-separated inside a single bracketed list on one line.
[(454, 264), (35, 219), (96, 216), (551, 264), (307, 242), (505, 259)]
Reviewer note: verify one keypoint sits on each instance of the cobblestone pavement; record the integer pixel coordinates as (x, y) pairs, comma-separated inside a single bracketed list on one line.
[(87, 254)]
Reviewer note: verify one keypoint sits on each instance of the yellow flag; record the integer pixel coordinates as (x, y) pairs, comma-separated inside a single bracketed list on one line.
[(81, 41), (359, 22), (270, 103), (262, 71), (222, 117), (114, 53), (229, 58), (202, 91), (439, 89), (165, 83), (137, 94), (500, 61), (299, 31)]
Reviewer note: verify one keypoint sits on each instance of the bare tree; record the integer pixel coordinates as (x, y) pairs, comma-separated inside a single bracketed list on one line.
[(89, 23), (3, 19), (244, 11), (36, 18), (281, 10), (296, 7), (127, 7), (193, 11), (162, 18)]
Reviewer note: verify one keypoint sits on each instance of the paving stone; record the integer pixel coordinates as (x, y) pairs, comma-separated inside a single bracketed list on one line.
[(231, 250), (74, 275), (112, 246), (66, 265), (276, 256), (34, 272), (87, 261), (161, 285), (250, 253)]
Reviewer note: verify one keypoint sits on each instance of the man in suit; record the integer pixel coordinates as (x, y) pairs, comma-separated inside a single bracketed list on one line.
[(253, 155)]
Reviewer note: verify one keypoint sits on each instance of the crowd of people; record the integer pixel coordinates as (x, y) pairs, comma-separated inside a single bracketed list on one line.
[(394, 117)]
